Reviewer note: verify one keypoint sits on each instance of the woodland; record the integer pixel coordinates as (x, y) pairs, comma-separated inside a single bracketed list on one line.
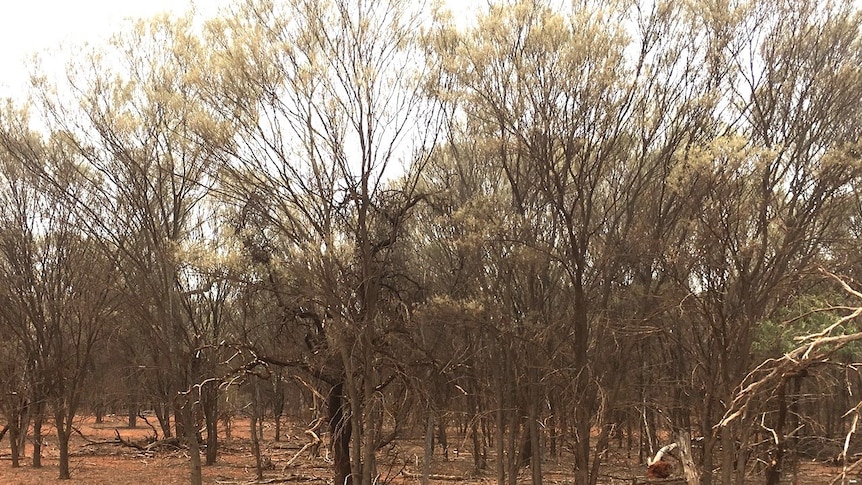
[(551, 226)]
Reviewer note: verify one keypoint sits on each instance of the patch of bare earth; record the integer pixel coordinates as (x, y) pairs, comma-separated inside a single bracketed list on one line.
[(98, 458)]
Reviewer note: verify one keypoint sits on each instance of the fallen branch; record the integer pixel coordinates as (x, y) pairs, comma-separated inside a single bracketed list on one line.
[(846, 471), (128, 443), (664, 450), (284, 479), (314, 444), (434, 476), (173, 443), (816, 348)]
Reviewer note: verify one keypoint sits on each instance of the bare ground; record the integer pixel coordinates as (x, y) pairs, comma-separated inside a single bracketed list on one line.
[(97, 460)]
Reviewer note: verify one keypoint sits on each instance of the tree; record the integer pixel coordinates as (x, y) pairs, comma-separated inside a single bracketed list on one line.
[(148, 144), (60, 292), (326, 99)]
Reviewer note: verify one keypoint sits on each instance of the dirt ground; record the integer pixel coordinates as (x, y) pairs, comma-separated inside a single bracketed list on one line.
[(96, 459)]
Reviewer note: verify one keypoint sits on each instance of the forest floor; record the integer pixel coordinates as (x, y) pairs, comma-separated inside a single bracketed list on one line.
[(96, 458)]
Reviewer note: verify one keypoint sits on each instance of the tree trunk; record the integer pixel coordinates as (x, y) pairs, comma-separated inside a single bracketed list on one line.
[(690, 471), (37, 436), (163, 415), (340, 435), (773, 468), (429, 448), (582, 444), (728, 453), (584, 400), (133, 406), (535, 437), (255, 440), (278, 404), (442, 437), (14, 443), (63, 445), (500, 443), (63, 425), (209, 401), (479, 461), (191, 437)]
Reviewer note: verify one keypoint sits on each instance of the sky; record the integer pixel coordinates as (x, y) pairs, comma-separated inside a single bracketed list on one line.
[(29, 26)]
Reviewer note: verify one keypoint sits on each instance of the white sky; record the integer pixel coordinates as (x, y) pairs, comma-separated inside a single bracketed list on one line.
[(30, 26)]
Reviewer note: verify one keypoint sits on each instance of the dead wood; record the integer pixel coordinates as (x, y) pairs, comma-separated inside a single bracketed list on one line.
[(149, 446), (434, 476), (817, 348), (172, 443), (314, 444), (282, 479)]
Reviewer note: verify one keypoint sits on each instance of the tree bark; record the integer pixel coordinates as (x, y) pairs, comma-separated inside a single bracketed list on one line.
[(340, 435), (191, 437), (209, 401), (773, 469), (255, 440), (429, 447), (37, 436), (63, 445), (689, 469), (14, 444)]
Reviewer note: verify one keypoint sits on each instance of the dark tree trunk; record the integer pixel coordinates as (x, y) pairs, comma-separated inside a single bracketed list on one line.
[(14, 444), (209, 400), (37, 436), (429, 448), (278, 404), (133, 406), (133, 415), (340, 431), (773, 468), (479, 461), (63, 444), (441, 437), (163, 414), (255, 444)]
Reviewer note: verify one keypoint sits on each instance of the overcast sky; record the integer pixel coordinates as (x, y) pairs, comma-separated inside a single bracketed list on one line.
[(28, 26)]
